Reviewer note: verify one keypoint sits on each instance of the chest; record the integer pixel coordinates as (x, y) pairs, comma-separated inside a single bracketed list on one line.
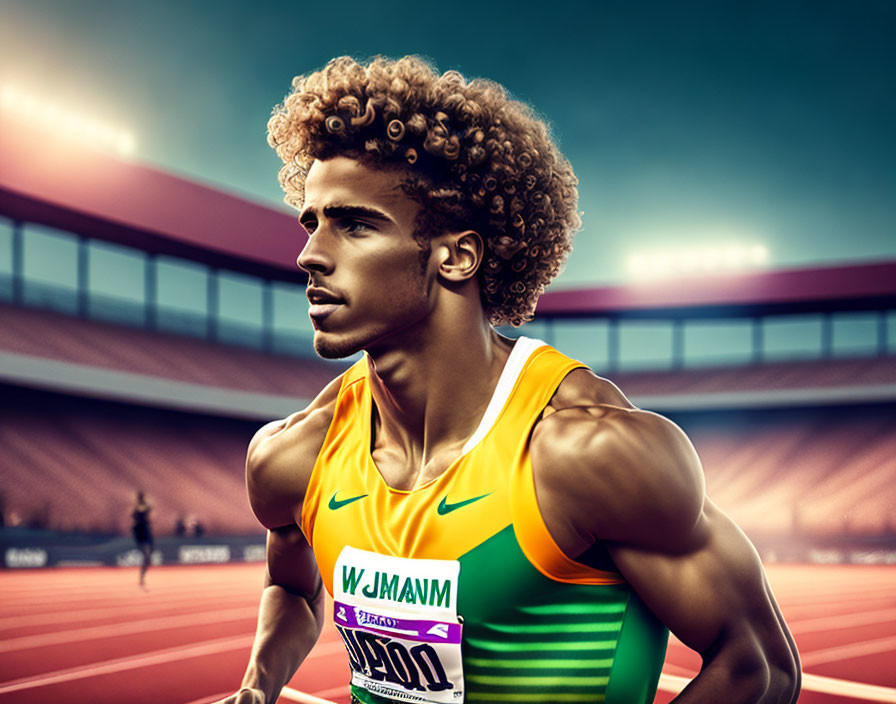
[(402, 472)]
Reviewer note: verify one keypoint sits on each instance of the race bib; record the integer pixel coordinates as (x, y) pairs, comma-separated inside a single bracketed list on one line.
[(398, 618)]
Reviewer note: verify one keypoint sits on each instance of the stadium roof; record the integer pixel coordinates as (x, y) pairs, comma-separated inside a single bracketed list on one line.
[(856, 286), (86, 191)]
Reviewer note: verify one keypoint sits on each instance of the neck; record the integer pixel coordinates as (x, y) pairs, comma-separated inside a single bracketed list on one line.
[(431, 390)]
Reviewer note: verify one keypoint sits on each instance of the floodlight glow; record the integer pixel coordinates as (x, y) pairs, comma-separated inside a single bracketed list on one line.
[(758, 254), (64, 122), (696, 261)]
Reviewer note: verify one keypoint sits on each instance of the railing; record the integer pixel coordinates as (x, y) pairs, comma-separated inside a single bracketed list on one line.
[(124, 311), (678, 342), (607, 345)]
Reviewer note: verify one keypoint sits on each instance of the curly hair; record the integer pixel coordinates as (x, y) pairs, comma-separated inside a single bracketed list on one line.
[(473, 159)]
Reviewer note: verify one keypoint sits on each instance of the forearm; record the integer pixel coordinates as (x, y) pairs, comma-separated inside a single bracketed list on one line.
[(288, 627)]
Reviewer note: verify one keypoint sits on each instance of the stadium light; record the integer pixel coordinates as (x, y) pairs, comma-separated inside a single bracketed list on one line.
[(64, 122), (696, 261)]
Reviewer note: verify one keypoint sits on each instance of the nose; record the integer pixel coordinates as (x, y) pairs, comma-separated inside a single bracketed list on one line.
[(314, 256)]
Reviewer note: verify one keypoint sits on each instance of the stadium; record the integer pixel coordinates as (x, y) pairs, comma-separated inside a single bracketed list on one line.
[(150, 323)]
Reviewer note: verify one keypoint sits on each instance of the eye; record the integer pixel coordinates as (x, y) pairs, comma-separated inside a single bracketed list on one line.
[(355, 227), (310, 224)]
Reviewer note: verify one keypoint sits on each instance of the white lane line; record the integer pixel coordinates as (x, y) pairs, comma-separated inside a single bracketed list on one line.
[(811, 683), (295, 695), (123, 609), (131, 609), (340, 691), (217, 645), (838, 608), (89, 593), (157, 657), (858, 584), (110, 578), (208, 699), (830, 623), (837, 599), (845, 688), (139, 601), (672, 683), (846, 652), (851, 593), (78, 635)]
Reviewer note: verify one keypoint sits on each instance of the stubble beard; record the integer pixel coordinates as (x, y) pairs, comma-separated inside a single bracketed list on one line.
[(335, 349), (408, 313)]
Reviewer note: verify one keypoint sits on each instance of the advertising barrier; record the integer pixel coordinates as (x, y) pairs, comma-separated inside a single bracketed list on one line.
[(29, 549)]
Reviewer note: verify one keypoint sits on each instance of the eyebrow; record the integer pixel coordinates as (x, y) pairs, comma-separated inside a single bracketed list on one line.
[(334, 212)]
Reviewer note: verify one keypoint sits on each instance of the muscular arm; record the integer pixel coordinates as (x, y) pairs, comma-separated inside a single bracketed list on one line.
[(714, 596), (290, 616), (279, 463), (632, 480)]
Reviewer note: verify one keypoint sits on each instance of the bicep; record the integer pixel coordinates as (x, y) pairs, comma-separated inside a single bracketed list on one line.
[(712, 592), (290, 562), (281, 458)]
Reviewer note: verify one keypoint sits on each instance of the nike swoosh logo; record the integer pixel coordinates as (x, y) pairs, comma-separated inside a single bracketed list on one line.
[(445, 507), (334, 504)]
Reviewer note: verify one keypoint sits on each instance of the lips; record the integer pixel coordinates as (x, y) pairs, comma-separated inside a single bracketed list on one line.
[(322, 310), (323, 302)]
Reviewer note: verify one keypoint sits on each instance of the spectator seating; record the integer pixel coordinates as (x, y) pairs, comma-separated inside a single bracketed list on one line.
[(75, 464), (41, 333), (815, 472)]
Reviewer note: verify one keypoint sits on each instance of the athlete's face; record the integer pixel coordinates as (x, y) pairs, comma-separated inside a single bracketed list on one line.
[(366, 283)]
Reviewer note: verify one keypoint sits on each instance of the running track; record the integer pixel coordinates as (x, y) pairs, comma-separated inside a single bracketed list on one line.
[(92, 635)]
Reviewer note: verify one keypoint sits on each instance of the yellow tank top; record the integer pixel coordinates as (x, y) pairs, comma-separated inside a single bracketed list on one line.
[(455, 591)]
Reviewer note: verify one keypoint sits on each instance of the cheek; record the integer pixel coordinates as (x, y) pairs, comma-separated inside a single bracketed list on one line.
[(399, 269), (398, 286)]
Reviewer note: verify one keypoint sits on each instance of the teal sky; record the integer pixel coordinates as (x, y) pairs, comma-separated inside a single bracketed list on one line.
[(687, 122)]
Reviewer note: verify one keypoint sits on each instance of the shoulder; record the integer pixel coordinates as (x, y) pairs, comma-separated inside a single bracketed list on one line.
[(618, 472), (282, 455)]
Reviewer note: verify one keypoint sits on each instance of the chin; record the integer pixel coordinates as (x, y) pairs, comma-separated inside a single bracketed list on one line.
[(330, 347)]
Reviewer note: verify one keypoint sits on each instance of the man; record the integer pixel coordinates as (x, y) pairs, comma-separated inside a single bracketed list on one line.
[(494, 521), (142, 532)]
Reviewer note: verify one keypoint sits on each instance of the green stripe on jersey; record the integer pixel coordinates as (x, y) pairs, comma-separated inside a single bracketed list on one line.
[(519, 697), (540, 663), (614, 608), (557, 628), (526, 681), (512, 646)]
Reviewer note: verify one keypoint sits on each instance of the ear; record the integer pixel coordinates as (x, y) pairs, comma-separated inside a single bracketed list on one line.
[(461, 254)]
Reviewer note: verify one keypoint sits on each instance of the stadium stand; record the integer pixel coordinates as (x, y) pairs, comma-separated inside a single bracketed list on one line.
[(48, 334), (809, 473), (73, 464)]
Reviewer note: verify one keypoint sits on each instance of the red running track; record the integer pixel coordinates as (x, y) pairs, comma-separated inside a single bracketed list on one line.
[(92, 635)]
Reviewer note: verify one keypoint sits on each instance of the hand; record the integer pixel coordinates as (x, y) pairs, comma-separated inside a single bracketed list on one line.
[(247, 695)]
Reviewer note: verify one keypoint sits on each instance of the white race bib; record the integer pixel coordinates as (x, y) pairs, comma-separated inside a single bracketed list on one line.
[(398, 618)]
